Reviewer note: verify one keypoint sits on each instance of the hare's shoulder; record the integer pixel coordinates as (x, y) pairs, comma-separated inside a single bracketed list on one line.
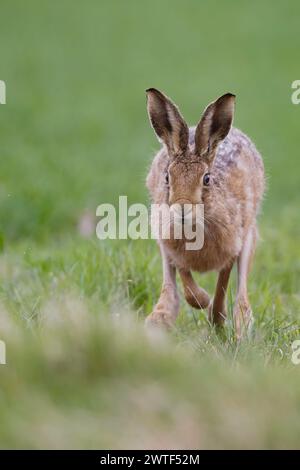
[(233, 148)]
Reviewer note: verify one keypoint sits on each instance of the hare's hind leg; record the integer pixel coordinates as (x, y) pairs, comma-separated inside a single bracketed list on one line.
[(217, 310), (194, 295), (242, 312), (167, 307)]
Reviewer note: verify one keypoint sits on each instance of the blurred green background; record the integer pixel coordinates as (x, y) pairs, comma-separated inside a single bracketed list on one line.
[(74, 133)]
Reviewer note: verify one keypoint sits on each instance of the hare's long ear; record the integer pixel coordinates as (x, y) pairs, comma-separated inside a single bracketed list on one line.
[(167, 122), (214, 125)]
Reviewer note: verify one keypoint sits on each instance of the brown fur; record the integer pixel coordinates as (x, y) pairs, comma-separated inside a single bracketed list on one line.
[(231, 203)]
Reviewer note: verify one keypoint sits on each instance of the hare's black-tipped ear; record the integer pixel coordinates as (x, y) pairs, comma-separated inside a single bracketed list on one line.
[(214, 125), (167, 122)]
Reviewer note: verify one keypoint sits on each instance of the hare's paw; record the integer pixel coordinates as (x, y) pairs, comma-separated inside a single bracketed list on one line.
[(243, 320), (199, 299), (160, 319)]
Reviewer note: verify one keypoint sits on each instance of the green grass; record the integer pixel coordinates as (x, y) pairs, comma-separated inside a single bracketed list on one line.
[(81, 370)]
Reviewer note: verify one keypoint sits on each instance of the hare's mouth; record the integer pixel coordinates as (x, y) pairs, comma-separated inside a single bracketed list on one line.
[(187, 213)]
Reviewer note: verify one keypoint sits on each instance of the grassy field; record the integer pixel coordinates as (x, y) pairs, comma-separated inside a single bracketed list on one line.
[(81, 371)]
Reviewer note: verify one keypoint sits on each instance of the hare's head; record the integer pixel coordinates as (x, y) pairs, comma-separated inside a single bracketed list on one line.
[(189, 164)]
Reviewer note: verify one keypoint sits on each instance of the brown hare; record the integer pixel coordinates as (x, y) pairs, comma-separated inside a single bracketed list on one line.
[(218, 166)]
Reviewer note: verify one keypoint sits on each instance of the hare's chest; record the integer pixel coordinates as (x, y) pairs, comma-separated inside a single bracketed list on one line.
[(213, 255)]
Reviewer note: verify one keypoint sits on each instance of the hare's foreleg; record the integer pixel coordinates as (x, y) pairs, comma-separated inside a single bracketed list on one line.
[(217, 310), (194, 295), (242, 312), (167, 307)]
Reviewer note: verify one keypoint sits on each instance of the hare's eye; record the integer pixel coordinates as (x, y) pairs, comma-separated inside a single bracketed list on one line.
[(206, 179), (167, 178)]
